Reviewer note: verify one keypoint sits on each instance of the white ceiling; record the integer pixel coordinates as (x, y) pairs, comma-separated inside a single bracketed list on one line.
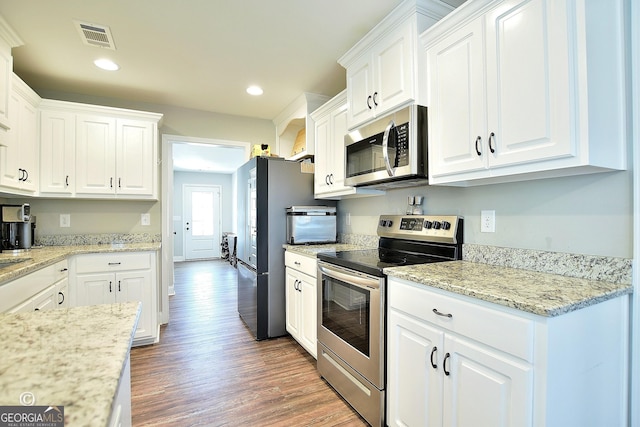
[(199, 54)]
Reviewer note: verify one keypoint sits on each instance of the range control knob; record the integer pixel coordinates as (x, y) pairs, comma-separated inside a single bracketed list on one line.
[(437, 225), (382, 223), (389, 223), (446, 225), (428, 224)]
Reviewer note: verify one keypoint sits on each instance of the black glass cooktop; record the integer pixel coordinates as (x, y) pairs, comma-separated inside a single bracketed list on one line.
[(373, 261)]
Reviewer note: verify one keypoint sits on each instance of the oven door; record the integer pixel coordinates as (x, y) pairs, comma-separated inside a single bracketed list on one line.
[(351, 319)]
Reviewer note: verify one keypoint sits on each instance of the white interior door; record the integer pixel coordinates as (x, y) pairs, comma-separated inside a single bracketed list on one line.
[(202, 219)]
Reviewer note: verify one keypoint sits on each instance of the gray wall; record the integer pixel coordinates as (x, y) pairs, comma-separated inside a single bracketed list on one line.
[(589, 214), (181, 178)]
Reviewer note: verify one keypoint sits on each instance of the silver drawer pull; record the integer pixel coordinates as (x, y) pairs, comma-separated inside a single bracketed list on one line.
[(449, 315)]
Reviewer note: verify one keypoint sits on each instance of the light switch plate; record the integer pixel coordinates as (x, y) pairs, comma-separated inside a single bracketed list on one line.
[(65, 220), (145, 219)]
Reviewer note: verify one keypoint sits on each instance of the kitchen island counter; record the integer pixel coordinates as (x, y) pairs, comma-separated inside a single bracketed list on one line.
[(13, 266), (76, 358), (529, 291)]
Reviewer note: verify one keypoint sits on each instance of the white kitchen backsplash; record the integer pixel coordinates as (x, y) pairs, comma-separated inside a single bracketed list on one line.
[(97, 239)]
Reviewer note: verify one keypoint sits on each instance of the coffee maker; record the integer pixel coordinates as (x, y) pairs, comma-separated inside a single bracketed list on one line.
[(17, 227)]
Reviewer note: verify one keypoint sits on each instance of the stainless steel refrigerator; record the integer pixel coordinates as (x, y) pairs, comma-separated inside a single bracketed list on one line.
[(266, 187)]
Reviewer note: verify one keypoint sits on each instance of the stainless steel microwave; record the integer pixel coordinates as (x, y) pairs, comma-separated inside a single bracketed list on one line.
[(389, 152)]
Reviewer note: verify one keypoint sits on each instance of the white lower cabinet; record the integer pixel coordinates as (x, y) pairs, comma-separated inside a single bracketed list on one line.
[(121, 408), (37, 291), (485, 365), (119, 277), (301, 300)]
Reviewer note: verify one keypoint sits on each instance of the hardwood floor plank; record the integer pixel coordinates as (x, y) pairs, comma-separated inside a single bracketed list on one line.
[(207, 370)]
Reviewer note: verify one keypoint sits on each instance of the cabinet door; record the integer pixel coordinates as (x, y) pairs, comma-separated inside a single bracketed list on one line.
[(45, 300), (6, 70), (414, 386), (57, 152), (323, 158), (95, 154), (457, 113), (136, 286), (528, 87), (93, 289), (28, 147), (393, 69), (485, 388), (9, 146), (308, 313), (359, 91), (135, 157), (336, 159), (292, 303)]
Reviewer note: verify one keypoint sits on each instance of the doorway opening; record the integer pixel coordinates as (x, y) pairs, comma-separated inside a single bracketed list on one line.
[(208, 158)]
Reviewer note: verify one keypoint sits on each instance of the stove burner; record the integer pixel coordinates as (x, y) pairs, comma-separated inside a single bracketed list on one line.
[(404, 249)]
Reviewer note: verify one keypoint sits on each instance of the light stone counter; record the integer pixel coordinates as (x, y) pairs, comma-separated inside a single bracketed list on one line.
[(14, 266), (67, 357), (534, 292)]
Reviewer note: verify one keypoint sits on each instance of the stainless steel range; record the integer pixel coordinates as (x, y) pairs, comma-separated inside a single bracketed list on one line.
[(352, 304)]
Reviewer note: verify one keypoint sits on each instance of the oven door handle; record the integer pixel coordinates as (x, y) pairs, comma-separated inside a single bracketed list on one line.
[(385, 147), (352, 279)]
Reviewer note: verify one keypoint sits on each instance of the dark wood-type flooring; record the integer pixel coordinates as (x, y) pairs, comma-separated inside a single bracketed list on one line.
[(207, 370)]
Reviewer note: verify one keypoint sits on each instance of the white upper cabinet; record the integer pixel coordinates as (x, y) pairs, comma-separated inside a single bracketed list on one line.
[(95, 154), (8, 39), (19, 143), (57, 151), (98, 152), (524, 89), (382, 67), (6, 70), (330, 129)]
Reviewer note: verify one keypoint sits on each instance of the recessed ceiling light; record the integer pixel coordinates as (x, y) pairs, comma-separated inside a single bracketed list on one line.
[(254, 90), (106, 64)]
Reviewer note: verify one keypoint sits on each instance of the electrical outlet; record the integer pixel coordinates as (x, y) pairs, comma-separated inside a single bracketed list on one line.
[(65, 220), (488, 221), (145, 219), (347, 219)]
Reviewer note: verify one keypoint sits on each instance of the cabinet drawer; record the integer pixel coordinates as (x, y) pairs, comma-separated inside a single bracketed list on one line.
[(478, 321), (25, 287), (303, 263), (120, 261)]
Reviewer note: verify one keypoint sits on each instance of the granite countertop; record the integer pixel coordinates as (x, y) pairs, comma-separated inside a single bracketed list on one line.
[(313, 250), (70, 357), (543, 294), (13, 266)]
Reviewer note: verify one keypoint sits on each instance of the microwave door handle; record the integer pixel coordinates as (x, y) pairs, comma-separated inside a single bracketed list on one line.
[(385, 147)]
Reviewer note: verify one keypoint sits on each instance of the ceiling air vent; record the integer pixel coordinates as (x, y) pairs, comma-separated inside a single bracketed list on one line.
[(95, 35)]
